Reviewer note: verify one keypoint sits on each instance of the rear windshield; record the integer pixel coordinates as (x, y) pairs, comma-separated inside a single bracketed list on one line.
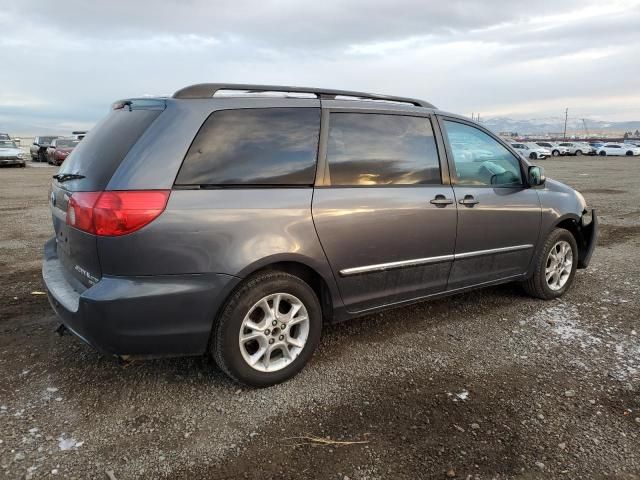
[(100, 153), (66, 143)]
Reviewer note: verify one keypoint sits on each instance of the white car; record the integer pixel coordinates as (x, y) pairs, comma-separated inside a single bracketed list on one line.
[(576, 148), (618, 149), (529, 151), (554, 148), (11, 154)]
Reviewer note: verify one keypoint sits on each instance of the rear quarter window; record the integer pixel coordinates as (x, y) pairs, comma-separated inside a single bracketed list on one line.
[(262, 146)]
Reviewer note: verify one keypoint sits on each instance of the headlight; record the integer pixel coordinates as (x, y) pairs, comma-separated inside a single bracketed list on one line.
[(20, 155)]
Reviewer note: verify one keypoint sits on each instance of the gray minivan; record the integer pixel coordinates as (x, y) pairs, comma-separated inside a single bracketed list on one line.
[(234, 220)]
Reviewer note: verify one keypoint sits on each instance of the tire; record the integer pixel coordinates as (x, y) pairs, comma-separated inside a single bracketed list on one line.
[(41, 157), (533, 155), (538, 286), (603, 154), (555, 153), (232, 358), (629, 153), (578, 153)]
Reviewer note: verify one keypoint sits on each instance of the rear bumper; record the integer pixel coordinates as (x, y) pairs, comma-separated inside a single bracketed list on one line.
[(589, 238), (162, 315)]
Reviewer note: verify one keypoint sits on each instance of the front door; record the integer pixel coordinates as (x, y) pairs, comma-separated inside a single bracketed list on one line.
[(385, 219), (498, 215)]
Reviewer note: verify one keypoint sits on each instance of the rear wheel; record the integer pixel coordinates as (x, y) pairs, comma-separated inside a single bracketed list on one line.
[(555, 266), (268, 329), (602, 153)]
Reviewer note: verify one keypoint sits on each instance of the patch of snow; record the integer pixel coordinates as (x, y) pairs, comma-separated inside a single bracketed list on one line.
[(68, 443)]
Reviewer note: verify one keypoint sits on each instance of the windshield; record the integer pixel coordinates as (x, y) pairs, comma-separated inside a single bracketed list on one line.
[(66, 143), (7, 144)]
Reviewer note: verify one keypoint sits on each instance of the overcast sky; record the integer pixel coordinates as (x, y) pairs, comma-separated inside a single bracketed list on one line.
[(63, 62)]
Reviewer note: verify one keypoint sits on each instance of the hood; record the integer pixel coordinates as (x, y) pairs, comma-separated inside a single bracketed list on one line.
[(9, 151)]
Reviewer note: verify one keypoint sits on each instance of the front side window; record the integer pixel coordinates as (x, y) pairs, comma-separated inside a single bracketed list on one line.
[(479, 159), (258, 146), (377, 149)]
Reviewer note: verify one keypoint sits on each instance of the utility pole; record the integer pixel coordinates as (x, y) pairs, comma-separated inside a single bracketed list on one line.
[(566, 114)]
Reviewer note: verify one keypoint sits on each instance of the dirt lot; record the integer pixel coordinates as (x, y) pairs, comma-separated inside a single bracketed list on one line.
[(490, 384)]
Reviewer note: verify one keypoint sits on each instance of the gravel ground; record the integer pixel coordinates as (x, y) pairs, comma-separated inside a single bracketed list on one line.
[(490, 384)]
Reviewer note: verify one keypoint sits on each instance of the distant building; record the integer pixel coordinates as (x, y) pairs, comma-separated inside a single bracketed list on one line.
[(508, 134)]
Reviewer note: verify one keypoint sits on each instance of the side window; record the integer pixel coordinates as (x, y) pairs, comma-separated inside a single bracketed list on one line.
[(479, 159), (378, 149), (262, 146)]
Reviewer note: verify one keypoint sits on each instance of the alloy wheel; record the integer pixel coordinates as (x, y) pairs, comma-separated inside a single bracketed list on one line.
[(274, 332), (559, 265)]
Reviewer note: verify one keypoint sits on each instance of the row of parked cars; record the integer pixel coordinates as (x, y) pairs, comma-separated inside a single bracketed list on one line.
[(539, 150), (54, 150)]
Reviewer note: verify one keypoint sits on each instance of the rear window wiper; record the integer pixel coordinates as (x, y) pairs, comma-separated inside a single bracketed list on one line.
[(63, 177)]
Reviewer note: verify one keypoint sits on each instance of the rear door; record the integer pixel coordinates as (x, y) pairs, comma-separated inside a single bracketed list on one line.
[(383, 207), (88, 169), (498, 215)]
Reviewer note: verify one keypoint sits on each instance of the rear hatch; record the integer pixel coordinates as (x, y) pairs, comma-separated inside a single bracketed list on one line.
[(89, 168)]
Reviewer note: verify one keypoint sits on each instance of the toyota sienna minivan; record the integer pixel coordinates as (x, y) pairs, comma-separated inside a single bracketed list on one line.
[(235, 220)]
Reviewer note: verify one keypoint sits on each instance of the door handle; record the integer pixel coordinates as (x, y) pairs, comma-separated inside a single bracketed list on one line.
[(469, 201), (441, 201)]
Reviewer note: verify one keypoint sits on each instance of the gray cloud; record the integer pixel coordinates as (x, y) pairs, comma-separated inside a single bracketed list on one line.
[(64, 62)]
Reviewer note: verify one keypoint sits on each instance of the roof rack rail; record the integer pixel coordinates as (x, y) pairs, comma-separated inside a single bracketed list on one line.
[(208, 90)]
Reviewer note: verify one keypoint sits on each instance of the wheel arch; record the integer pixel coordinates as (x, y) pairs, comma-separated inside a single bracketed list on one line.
[(318, 277), (573, 224)]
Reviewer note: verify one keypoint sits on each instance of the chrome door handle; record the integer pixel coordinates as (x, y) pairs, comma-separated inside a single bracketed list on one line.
[(469, 201), (441, 201)]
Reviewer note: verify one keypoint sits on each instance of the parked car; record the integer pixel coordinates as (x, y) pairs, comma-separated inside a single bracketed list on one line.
[(237, 226), (11, 154), (39, 147), (554, 148), (574, 148), (530, 151), (59, 149), (618, 149), (4, 136)]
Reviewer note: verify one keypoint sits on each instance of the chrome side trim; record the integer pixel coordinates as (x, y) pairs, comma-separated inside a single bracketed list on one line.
[(428, 260), (401, 264), (479, 253)]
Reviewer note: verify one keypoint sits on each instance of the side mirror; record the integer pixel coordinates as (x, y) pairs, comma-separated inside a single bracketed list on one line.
[(536, 176)]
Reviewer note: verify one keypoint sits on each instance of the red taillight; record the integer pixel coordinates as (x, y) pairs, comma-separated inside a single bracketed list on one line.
[(115, 213)]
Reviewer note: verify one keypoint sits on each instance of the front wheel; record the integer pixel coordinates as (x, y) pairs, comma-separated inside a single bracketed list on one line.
[(578, 153), (533, 155), (603, 154), (268, 329), (555, 266), (629, 153), (555, 153)]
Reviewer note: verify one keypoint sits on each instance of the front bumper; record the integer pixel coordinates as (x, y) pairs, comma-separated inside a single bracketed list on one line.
[(162, 315), (589, 231), (12, 161)]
